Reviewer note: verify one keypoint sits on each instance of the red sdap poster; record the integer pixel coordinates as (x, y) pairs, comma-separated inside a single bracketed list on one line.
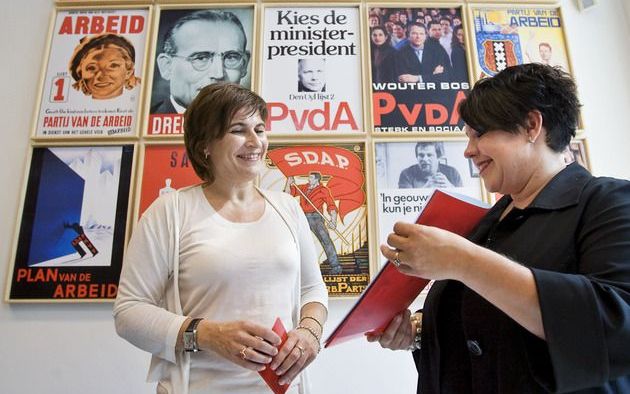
[(165, 169)]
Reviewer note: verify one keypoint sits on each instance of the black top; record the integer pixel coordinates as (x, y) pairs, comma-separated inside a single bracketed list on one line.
[(575, 237)]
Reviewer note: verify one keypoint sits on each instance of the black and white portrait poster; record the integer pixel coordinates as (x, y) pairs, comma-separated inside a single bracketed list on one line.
[(93, 76), (311, 70), (419, 69), (408, 172), (196, 48)]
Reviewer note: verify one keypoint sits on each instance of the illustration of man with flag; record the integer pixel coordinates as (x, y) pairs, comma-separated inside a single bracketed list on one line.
[(313, 196), (335, 189)]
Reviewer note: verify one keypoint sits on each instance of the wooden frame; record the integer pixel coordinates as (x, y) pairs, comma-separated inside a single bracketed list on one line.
[(399, 198), (162, 119), (74, 197), (329, 102), (410, 108), (341, 165), (84, 99)]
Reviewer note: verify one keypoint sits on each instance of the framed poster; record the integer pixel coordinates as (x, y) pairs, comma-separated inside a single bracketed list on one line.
[(578, 151), (195, 48), (328, 180), (165, 168), (311, 70), (419, 69), (509, 35), (93, 79), (73, 224), (408, 171)]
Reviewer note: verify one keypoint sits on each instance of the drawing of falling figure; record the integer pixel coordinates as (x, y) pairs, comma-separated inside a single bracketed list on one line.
[(81, 238)]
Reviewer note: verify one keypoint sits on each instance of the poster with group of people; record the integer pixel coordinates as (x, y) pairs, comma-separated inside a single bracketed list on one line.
[(419, 69), (319, 68)]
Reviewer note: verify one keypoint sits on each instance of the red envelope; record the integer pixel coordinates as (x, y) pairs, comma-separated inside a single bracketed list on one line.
[(268, 374)]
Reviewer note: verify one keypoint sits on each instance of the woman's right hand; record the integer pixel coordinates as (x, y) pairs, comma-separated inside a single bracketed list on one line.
[(399, 335), (245, 343)]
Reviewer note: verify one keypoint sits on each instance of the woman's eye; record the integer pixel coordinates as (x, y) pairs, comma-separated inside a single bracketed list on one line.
[(260, 131)]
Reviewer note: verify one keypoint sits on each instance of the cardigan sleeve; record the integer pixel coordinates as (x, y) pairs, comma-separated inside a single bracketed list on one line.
[(139, 312), (586, 316)]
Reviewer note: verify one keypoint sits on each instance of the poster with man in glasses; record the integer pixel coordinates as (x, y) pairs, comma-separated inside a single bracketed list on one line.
[(196, 48)]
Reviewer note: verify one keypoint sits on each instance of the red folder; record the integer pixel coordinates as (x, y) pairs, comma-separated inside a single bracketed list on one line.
[(269, 375), (391, 292)]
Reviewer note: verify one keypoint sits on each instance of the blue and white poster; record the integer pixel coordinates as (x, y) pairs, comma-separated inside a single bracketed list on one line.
[(72, 229)]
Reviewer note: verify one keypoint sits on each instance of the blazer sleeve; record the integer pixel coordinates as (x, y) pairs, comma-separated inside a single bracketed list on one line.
[(586, 316)]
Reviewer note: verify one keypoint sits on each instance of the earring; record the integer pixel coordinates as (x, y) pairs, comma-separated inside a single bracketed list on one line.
[(531, 140), (205, 152)]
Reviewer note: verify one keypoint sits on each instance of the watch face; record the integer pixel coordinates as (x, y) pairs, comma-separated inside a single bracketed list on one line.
[(188, 341)]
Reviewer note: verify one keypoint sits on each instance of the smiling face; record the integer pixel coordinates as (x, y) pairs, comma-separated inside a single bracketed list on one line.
[(104, 71), (238, 156), (502, 159), (378, 37)]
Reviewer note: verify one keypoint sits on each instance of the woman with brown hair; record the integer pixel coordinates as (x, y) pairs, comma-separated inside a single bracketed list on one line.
[(210, 267)]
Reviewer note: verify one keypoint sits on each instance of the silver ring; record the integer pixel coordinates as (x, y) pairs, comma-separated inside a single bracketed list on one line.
[(301, 349), (396, 260)]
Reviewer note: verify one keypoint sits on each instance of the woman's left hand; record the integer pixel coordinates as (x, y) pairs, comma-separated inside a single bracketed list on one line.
[(428, 252), (297, 353)]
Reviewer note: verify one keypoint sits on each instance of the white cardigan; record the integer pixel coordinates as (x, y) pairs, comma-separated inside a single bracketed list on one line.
[(148, 310)]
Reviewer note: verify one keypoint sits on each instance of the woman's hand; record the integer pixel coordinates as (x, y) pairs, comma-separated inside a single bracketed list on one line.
[(297, 353), (399, 335), (245, 343), (428, 252)]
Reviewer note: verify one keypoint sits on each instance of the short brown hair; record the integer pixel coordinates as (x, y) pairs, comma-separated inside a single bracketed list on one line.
[(208, 117)]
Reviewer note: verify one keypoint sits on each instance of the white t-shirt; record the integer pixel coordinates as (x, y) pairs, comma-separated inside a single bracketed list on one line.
[(233, 271)]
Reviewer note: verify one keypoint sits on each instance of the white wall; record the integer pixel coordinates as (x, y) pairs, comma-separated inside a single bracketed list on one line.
[(73, 348)]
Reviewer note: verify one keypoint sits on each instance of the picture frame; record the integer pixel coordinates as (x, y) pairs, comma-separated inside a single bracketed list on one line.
[(226, 27), (72, 227), (407, 170), (408, 96), (316, 52), (91, 84), (328, 180)]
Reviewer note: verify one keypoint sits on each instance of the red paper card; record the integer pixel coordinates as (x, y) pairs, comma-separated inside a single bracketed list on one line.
[(391, 292), (269, 375)]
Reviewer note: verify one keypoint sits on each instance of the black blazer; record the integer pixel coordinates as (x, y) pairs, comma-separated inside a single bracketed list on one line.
[(433, 55), (575, 237)]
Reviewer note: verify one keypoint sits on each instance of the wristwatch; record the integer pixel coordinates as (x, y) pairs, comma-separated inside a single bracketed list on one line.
[(190, 336)]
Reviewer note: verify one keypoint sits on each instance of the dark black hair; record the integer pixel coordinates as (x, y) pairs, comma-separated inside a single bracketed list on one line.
[(504, 101)]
